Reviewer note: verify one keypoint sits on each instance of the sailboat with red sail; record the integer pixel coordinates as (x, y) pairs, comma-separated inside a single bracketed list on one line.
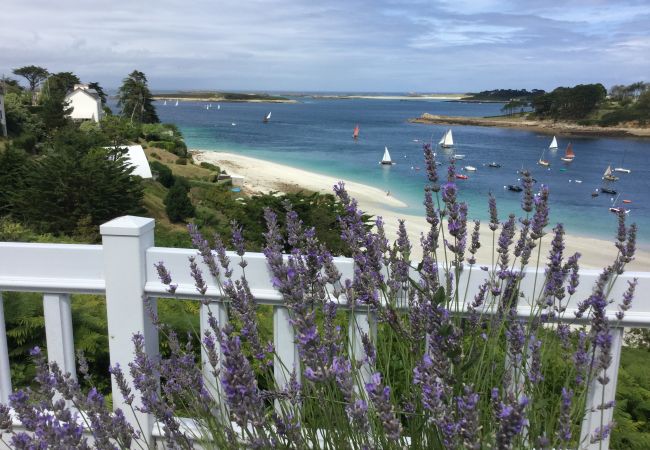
[(568, 155), (355, 133)]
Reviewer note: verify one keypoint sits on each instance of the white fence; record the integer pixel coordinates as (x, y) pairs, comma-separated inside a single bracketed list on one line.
[(122, 269)]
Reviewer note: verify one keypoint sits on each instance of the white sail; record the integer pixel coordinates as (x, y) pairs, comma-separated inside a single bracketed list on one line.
[(553, 143), (608, 172), (386, 159), (447, 140), (165, 104), (442, 139), (268, 116), (176, 103), (218, 106)]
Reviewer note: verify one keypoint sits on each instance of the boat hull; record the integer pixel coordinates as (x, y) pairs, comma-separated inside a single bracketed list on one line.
[(610, 178), (543, 163), (566, 159), (622, 170), (386, 163)]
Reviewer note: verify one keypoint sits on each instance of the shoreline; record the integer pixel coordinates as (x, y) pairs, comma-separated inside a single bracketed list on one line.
[(539, 126), (264, 176)]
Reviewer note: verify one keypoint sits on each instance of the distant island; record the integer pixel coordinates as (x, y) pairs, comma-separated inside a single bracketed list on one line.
[(214, 96), (585, 109), (384, 96)]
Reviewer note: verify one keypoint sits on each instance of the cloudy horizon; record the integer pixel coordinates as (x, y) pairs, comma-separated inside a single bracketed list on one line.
[(363, 45)]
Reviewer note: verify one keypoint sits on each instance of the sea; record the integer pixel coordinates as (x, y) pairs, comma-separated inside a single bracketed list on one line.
[(316, 134)]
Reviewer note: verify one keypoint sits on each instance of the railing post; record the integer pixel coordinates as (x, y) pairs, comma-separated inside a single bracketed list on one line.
[(602, 395), (125, 242), (284, 340), (220, 313), (58, 332), (5, 371)]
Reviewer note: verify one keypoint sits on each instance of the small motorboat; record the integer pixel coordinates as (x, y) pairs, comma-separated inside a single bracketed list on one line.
[(627, 201), (470, 168), (595, 193), (578, 181), (608, 191), (460, 176), (514, 188), (495, 165), (457, 156), (618, 209)]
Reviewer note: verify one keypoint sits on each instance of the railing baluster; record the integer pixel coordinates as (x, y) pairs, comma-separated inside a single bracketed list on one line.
[(361, 321), (599, 395), (220, 313), (58, 331), (5, 371), (284, 340)]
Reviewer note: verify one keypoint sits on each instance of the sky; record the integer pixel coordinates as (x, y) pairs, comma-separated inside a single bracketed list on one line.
[(333, 45)]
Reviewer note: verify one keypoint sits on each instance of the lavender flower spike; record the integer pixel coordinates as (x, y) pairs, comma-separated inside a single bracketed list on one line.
[(380, 397)]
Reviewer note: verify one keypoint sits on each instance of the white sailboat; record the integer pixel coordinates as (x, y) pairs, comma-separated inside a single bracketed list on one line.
[(218, 106), (622, 169), (607, 176), (176, 103), (165, 104), (267, 117), (447, 140), (553, 145), (470, 168), (385, 160)]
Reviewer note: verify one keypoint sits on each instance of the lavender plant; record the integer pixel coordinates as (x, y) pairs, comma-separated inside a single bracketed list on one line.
[(507, 368)]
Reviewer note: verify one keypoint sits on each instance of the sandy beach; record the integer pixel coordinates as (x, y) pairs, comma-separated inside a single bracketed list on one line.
[(263, 177), (540, 126)]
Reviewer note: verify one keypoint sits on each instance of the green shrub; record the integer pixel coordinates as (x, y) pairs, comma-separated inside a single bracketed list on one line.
[(178, 205), (181, 161), (163, 173), (209, 166), (155, 155)]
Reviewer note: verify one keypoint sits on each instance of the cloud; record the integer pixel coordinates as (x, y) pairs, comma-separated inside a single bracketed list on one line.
[(385, 45)]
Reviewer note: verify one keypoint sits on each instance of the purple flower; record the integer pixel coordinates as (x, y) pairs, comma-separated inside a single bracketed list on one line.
[(494, 217), (627, 299), (165, 277), (430, 161), (540, 218), (564, 419), (527, 196), (511, 419), (380, 397)]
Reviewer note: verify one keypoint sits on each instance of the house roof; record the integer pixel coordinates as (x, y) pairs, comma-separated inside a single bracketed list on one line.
[(137, 158), (90, 92)]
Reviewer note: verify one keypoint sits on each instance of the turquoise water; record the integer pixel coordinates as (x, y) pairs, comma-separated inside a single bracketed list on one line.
[(316, 134)]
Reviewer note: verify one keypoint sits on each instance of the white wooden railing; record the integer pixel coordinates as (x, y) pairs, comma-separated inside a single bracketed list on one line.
[(122, 269)]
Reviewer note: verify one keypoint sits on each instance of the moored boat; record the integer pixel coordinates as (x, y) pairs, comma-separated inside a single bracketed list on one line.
[(542, 161), (568, 155), (553, 145), (470, 168), (457, 156), (267, 117), (608, 191), (355, 133), (514, 188), (495, 165), (460, 176), (607, 176)]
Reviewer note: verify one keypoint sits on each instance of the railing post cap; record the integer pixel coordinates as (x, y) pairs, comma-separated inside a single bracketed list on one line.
[(127, 226)]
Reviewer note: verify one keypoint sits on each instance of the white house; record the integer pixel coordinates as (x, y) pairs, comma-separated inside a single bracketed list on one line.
[(85, 103)]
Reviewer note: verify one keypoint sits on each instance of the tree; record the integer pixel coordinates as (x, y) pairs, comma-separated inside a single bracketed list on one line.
[(77, 182), (13, 168), (60, 83), (34, 76), (177, 203), (97, 88), (136, 100), (55, 110)]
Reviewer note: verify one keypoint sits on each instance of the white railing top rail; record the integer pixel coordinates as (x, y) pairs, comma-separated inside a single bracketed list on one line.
[(72, 268)]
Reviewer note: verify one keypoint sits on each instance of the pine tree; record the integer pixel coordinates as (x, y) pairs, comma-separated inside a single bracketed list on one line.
[(136, 100)]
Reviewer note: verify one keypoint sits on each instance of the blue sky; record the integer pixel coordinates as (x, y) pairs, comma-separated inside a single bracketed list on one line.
[(339, 45)]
